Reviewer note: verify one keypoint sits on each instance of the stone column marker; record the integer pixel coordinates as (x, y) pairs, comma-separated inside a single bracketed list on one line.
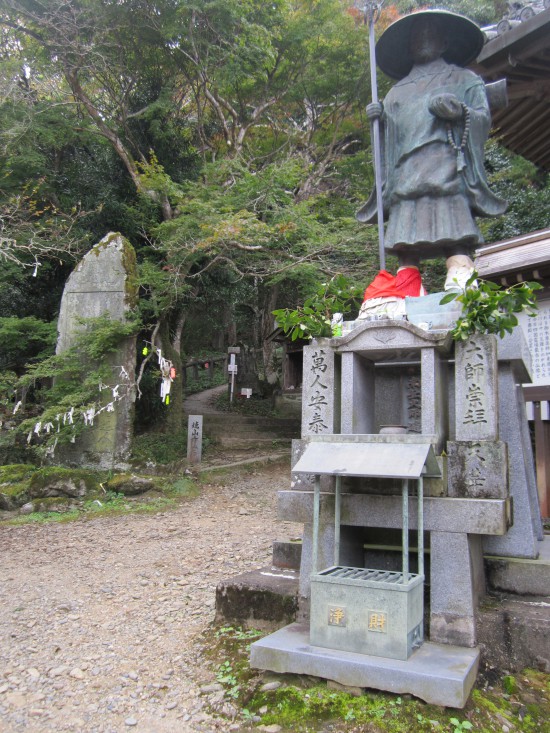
[(319, 389), (194, 439), (476, 389)]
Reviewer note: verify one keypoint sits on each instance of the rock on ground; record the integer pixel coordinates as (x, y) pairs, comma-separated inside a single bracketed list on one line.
[(100, 619)]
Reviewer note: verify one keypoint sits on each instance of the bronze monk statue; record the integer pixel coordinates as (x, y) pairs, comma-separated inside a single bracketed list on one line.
[(434, 124)]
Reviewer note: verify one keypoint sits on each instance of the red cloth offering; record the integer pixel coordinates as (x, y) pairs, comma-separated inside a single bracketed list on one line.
[(409, 282), (383, 286)]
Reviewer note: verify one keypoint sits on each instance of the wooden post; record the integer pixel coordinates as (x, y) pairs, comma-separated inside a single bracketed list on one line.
[(542, 459)]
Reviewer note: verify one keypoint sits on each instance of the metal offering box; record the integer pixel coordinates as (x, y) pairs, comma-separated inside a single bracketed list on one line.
[(374, 612), (367, 611)]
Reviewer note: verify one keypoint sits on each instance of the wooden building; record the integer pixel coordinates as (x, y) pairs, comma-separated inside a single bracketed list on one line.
[(527, 258), (521, 55)]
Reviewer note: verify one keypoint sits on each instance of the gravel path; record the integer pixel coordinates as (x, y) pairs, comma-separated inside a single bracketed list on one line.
[(99, 619), (204, 403)]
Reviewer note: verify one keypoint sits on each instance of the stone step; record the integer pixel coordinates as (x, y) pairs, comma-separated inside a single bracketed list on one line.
[(514, 632), (261, 597), (237, 431), (250, 429), (257, 420), (245, 457), (520, 576), (249, 442), (247, 431)]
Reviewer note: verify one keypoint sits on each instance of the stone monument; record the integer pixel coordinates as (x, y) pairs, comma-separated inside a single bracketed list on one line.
[(104, 283), (457, 402)]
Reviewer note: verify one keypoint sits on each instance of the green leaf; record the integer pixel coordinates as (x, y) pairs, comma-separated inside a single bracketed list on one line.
[(448, 298)]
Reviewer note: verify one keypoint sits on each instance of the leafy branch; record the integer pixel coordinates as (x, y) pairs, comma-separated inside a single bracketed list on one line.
[(71, 382), (314, 317), (490, 308)]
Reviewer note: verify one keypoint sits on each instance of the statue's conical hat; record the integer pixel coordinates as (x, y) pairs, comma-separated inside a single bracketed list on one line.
[(464, 41)]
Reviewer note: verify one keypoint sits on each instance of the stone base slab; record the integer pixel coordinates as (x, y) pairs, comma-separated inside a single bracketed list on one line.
[(436, 673)]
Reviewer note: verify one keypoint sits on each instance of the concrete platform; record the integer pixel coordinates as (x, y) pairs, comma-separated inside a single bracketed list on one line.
[(436, 673)]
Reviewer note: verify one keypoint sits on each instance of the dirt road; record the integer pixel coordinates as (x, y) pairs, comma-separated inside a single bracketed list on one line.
[(99, 619)]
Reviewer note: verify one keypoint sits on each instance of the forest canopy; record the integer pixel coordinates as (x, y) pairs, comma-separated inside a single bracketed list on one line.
[(226, 139)]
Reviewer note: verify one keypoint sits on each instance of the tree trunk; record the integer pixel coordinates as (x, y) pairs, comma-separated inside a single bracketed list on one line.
[(267, 325), (173, 420), (71, 75)]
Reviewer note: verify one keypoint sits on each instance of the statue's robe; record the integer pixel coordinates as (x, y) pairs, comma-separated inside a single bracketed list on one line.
[(428, 201)]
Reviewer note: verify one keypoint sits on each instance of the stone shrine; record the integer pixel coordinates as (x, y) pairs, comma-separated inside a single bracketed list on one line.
[(385, 388)]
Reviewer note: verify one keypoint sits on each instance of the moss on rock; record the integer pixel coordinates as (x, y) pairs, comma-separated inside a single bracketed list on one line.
[(15, 484), (129, 484), (58, 481), (15, 473), (53, 504)]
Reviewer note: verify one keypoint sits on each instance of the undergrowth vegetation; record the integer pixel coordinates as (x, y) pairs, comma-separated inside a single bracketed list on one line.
[(162, 448), (57, 494), (310, 705)]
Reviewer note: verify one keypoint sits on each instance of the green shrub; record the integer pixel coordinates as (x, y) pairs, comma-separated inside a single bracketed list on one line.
[(160, 447)]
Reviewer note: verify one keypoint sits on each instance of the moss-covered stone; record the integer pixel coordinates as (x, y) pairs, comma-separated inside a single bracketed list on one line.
[(15, 473), (129, 262), (53, 504), (129, 484), (57, 493), (15, 481), (58, 481), (105, 283), (6, 502)]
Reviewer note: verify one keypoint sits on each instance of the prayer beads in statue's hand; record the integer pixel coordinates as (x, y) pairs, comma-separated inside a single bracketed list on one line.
[(446, 106)]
